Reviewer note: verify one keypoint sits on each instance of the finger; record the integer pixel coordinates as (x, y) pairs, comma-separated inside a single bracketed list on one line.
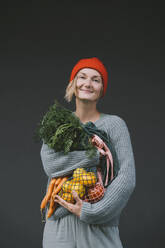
[(75, 195), (57, 197), (65, 204), (61, 201), (69, 206)]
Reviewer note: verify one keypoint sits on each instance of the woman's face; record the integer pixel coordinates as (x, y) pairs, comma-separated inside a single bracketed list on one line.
[(89, 84)]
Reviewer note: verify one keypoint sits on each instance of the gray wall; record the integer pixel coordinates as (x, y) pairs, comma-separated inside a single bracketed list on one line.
[(40, 43)]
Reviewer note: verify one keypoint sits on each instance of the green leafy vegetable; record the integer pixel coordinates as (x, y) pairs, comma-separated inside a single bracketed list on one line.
[(61, 130)]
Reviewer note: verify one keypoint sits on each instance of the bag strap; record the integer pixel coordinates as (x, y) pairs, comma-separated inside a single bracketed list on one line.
[(104, 150)]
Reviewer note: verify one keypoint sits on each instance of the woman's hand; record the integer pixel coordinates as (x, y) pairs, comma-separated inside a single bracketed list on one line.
[(74, 208)]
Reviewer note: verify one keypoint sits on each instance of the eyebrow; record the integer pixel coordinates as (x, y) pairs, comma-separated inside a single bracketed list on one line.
[(93, 76)]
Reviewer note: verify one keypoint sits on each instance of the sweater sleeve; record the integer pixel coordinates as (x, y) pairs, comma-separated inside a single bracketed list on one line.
[(57, 164), (121, 188)]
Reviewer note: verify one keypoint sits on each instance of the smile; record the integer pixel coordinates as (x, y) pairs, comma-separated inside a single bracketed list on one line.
[(87, 91)]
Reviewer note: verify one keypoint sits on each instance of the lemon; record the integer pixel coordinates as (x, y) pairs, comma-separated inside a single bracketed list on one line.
[(78, 172), (79, 188), (66, 187), (88, 179), (67, 197)]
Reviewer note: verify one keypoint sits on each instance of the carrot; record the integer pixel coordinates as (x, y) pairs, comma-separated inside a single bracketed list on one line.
[(48, 194), (54, 187), (50, 188), (58, 181), (59, 186), (44, 202), (52, 207)]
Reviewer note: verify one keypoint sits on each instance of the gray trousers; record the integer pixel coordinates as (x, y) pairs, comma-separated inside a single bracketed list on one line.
[(70, 232)]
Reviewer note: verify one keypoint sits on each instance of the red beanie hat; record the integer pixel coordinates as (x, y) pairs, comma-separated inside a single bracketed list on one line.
[(93, 63)]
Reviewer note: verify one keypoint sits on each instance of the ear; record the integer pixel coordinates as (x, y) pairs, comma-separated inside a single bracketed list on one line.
[(101, 91)]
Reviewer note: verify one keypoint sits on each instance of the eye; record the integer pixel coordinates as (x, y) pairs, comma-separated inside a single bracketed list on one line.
[(82, 77), (97, 80)]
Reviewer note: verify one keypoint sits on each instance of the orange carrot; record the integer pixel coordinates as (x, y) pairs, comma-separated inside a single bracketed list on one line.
[(58, 181), (44, 202), (59, 186), (52, 207), (54, 187), (48, 194)]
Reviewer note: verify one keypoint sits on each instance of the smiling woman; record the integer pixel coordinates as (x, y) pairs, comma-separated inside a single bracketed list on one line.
[(89, 86), (84, 224), (86, 83)]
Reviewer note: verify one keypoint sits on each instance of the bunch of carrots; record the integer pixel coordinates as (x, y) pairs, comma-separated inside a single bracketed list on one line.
[(54, 188)]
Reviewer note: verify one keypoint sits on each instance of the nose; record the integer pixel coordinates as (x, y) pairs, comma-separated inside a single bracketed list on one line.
[(88, 82)]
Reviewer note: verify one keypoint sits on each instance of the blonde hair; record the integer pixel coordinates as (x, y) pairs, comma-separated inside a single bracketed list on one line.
[(70, 90)]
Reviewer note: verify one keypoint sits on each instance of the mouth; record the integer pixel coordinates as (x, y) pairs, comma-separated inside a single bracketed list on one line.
[(87, 91)]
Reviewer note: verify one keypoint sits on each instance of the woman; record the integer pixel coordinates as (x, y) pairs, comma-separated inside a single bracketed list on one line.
[(84, 224)]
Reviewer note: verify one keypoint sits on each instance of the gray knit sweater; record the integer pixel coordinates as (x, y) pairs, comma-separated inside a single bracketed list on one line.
[(108, 209)]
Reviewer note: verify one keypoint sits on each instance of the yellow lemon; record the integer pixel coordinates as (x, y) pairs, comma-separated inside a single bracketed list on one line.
[(78, 172), (88, 179), (66, 187), (79, 188), (67, 197)]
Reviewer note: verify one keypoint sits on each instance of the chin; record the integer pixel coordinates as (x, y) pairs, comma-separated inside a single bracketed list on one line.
[(87, 98), (83, 96)]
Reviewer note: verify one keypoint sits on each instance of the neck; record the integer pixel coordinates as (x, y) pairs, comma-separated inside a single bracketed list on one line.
[(86, 111)]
